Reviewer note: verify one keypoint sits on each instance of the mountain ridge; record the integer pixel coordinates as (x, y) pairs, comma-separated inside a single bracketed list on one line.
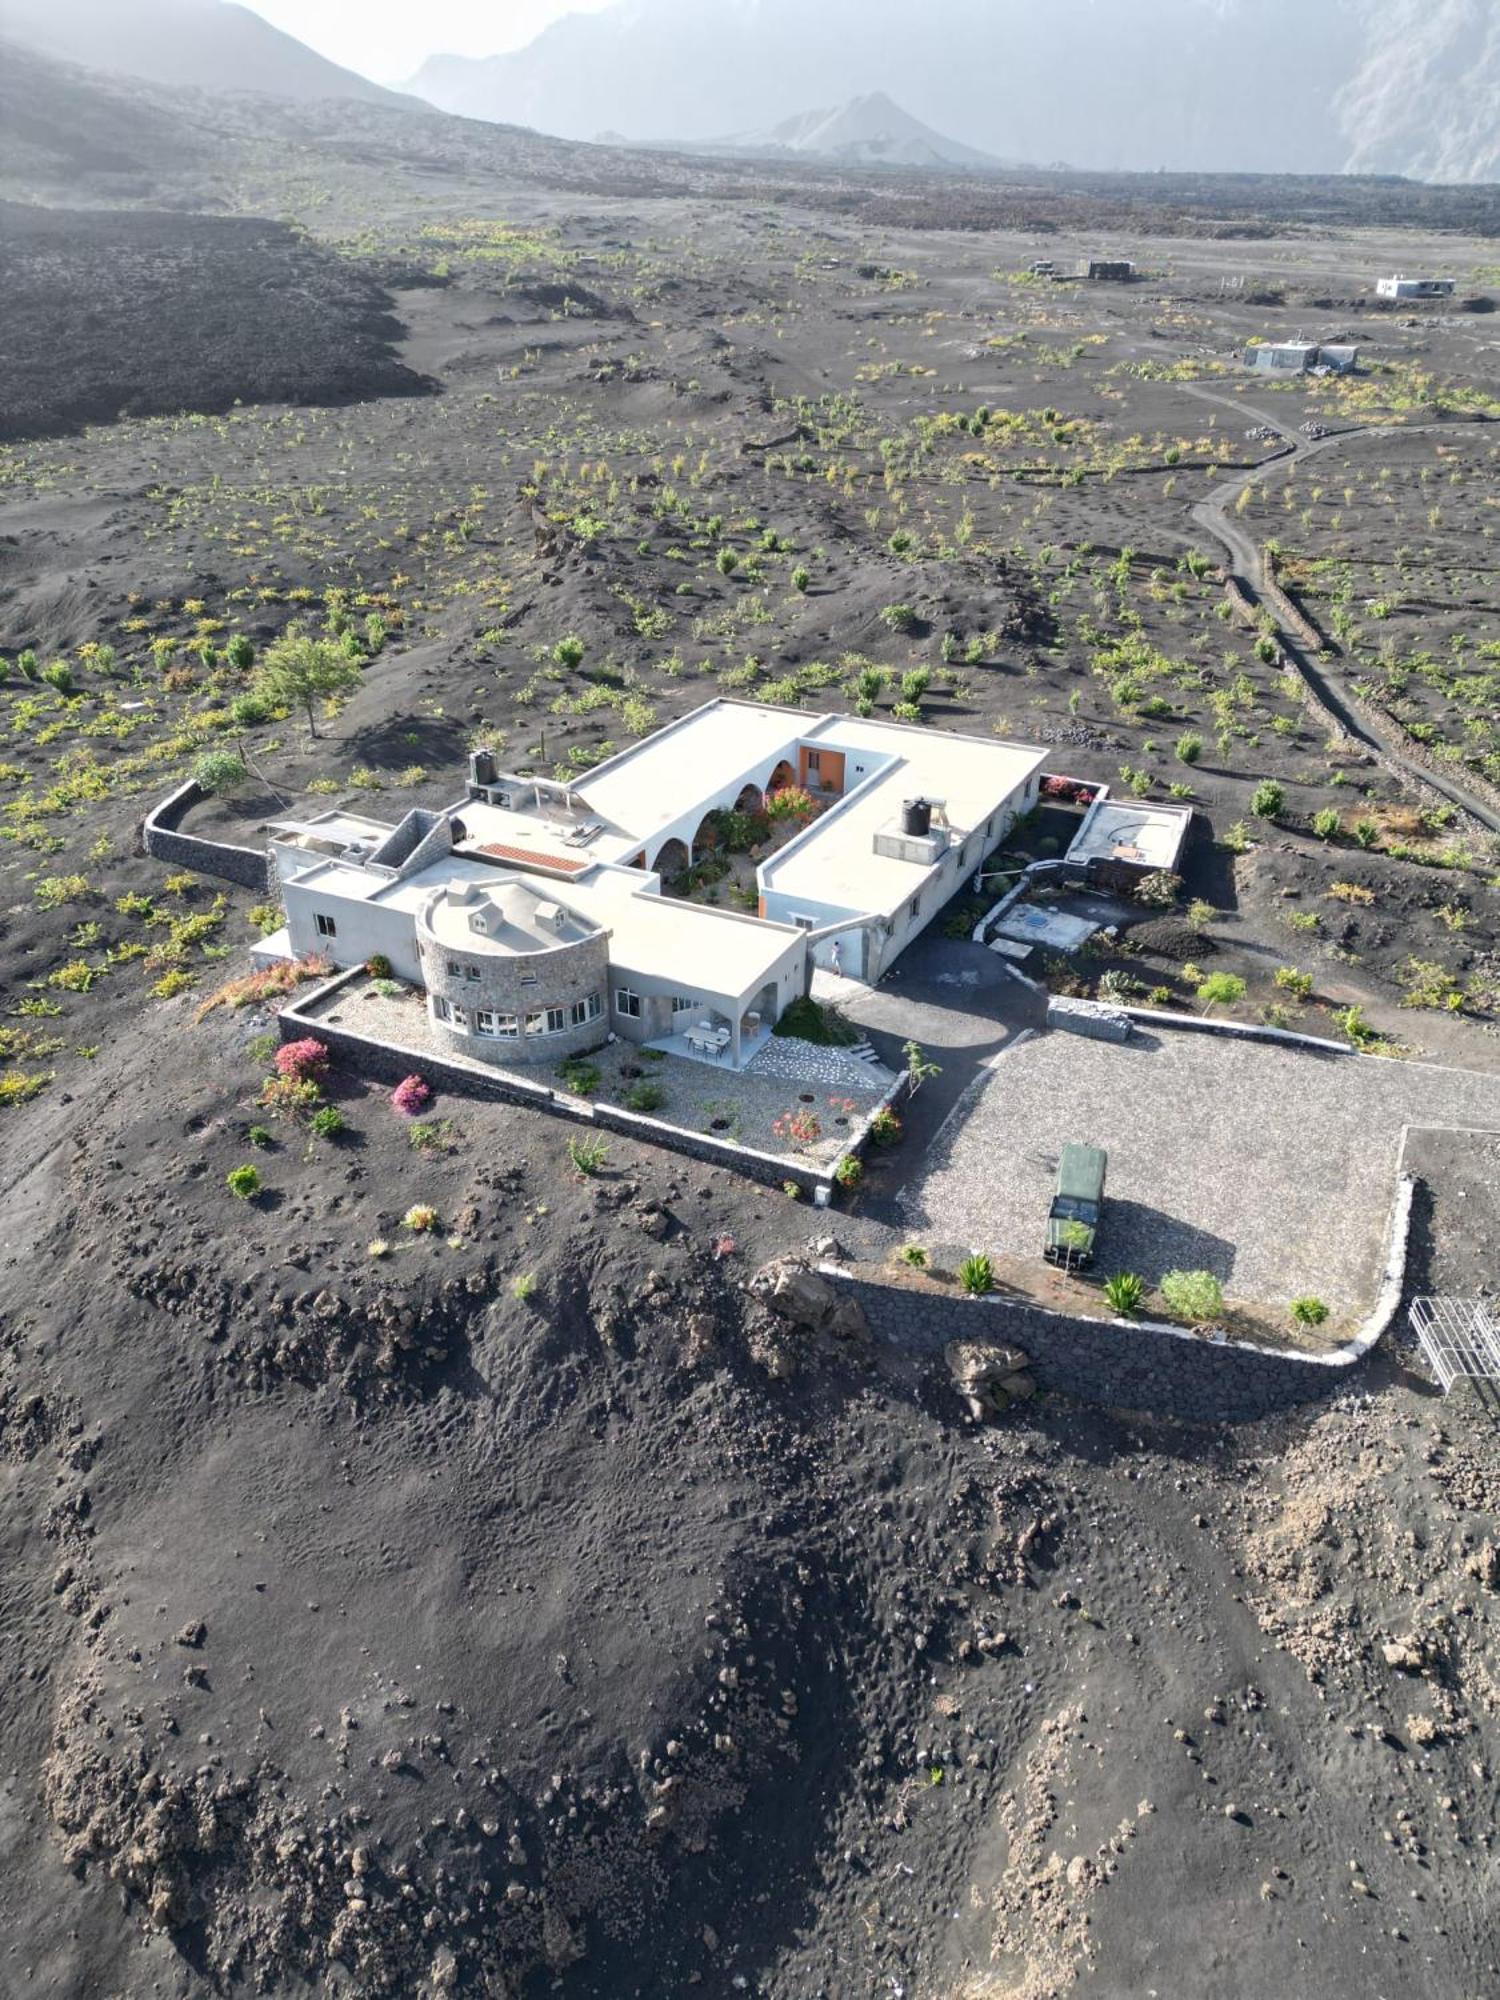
[(1404, 86), (211, 45)]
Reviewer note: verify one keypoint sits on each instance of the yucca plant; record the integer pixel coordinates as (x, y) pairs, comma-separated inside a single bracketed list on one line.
[(1125, 1291), (977, 1274)]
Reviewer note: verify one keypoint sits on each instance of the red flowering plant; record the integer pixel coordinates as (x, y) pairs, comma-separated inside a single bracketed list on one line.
[(410, 1096), (306, 1060)]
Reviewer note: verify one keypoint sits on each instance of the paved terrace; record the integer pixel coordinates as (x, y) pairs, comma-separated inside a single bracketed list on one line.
[(1274, 1168)]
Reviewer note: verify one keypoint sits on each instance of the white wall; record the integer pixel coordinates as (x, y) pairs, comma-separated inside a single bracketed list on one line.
[(362, 930)]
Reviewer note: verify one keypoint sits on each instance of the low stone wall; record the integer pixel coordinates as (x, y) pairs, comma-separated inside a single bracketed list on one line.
[(248, 867), (1139, 1364)]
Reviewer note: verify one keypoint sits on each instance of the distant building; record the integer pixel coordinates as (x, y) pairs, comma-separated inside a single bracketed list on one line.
[(1414, 288), (1300, 357), (1106, 270)]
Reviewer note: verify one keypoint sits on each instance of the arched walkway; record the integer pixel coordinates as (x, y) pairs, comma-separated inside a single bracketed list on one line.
[(751, 799), (672, 860), (781, 777)]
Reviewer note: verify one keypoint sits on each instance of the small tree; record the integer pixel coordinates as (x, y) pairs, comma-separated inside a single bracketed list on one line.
[(1196, 1297), (219, 771), (300, 671), (919, 1066)]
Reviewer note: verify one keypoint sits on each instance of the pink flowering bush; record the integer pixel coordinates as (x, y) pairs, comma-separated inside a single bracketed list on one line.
[(410, 1096), (306, 1060)]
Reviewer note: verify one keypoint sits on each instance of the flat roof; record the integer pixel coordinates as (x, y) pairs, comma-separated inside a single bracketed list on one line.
[(519, 918), (835, 861), (335, 825), (698, 948), (1122, 830), (645, 788)]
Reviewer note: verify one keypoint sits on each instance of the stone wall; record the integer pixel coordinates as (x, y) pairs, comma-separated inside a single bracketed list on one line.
[(248, 867), (518, 983), (1134, 1366)]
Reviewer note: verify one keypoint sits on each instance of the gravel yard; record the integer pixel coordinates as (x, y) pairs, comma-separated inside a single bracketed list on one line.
[(1272, 1167)]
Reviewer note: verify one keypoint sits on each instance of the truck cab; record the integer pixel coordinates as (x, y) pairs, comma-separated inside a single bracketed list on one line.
[(1077, 1206)]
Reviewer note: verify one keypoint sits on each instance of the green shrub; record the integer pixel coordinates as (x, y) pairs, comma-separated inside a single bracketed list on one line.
[(645, 1096), (1289, 980), (1125, 1291), (801, 578), (259, 1135), (1325, 824), (582, 1078), (1195, 1297), (914, 1255), (1189, 747), (1268, 800), (588, 1155), (569, 652), (977, 1274), (523, 1286), (804, 1020), (899, 617), (1308, 1311), (1221, 989), (326, 1122), (243, 1182), (849, 1172)]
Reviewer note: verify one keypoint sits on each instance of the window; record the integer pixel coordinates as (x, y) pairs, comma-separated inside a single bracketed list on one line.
[(487, 1022), (527, 979), (326, 926), (458, 970), (586, 1010), (914, 909), (802, 923), (557, 1020), (682, 1005), (453, 1017), (627, 1003), (441, 1009), (814, 763)]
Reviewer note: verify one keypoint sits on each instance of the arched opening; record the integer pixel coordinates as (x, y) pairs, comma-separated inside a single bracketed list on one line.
[(750, 800), (672, 861), (781, 777), (707, 838)]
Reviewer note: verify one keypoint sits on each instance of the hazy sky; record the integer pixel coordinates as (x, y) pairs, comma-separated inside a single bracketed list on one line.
[(387, 39)]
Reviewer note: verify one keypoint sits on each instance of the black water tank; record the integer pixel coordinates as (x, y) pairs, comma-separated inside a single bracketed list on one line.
[(482, 767), (916, 818)]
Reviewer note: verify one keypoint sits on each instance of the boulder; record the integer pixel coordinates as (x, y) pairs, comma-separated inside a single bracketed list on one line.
[(793, 1291), (988, 1375)]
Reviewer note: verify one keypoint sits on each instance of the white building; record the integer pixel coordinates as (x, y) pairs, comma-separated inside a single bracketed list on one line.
[(1300, 357), (1399, 287), (907, 815)]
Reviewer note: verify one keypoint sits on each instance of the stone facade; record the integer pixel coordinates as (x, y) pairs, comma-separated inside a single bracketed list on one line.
[(476, 993)]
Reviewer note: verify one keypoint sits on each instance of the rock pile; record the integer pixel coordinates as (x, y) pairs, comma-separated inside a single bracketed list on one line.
[(989, 1376)]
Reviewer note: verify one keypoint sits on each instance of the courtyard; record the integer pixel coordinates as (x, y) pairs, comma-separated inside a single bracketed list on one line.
[(1272, 1167)]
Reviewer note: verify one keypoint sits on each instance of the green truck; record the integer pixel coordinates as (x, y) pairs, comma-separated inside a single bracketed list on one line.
[(1077, 1206)]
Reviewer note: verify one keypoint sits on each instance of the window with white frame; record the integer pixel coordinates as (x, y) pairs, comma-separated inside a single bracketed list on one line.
[(627, 1003), (442, 1010), (536, 1022), (326, 925), (557, 1020), (488, 1022), (681, 1004), (586, 1010)]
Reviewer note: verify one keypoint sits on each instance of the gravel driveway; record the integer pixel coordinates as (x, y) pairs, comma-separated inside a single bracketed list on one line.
[(1272, 1167)]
